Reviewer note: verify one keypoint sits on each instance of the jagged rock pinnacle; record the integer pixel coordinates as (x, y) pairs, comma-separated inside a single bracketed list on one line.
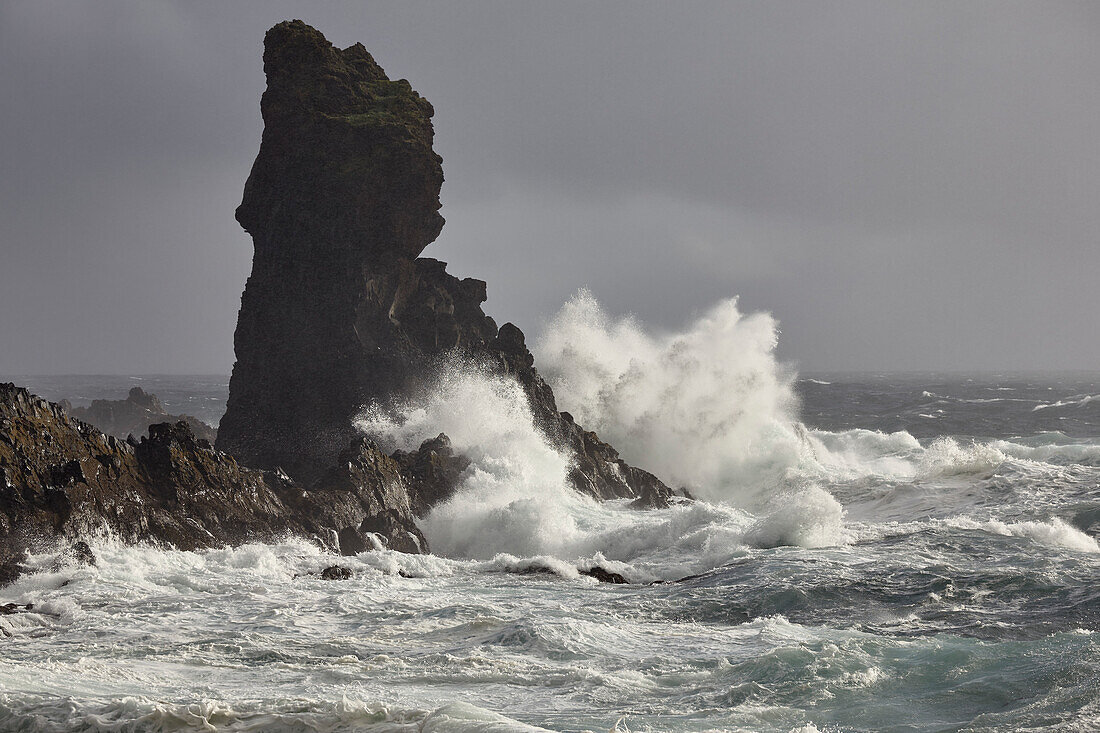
[(339, 310)]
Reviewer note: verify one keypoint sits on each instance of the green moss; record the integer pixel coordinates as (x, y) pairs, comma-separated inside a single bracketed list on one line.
[(391, 103)]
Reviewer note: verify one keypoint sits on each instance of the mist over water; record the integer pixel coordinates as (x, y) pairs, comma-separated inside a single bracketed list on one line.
[(873, 552)]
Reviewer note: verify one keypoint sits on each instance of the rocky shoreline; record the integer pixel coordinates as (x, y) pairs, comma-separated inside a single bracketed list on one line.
[(61, 480)]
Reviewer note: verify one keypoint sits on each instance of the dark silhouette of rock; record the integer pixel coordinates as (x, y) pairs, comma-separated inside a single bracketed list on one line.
[(435, 470), (352, 541), (78, 553), (336, 572), (61, 479), (134, 415), (339, 311), (604, 576), (383, 492)]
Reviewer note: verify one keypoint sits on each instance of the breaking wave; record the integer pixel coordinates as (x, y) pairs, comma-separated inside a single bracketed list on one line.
[(973, 561), (709, 408), (514, 496)]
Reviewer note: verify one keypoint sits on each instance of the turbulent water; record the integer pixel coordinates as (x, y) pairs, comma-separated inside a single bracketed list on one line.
[(868, 552)]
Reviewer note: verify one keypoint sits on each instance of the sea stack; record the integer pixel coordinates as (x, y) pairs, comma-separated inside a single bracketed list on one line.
[(339, 310)]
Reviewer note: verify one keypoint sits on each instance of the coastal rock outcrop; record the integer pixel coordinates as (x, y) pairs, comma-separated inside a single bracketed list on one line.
[(62, 480), (340, 311), (134, 415)]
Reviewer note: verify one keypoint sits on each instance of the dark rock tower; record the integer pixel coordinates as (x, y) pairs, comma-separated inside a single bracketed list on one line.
[(339, 310), (343, 195)]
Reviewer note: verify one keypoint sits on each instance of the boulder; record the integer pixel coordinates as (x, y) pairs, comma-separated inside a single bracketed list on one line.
[(11, 567), (604, 576), (78, 554), (336, 572), (435, 470)]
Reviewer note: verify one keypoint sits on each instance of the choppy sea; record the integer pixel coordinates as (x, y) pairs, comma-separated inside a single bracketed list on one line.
[(888, 553)]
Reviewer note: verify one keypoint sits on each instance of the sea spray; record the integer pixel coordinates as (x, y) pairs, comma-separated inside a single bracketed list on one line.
[(979, 577), (709, 407), (738, 452), (514, 497)]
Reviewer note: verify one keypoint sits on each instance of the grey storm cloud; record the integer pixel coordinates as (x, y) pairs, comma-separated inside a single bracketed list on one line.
[(904, 185)]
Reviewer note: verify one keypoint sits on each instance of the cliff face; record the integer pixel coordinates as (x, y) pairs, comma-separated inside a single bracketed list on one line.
[(339, 311), (61, 479)]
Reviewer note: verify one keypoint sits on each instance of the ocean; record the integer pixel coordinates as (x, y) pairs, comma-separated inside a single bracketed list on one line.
[(868, 552)]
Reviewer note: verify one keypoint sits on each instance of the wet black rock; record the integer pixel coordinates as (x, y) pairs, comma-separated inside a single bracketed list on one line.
[(8, 609), (604, 576), (61, 480), (352, 541), (339, 312), (435, 470), (78, 554), (381, 494), (11, 567), (336, 572)]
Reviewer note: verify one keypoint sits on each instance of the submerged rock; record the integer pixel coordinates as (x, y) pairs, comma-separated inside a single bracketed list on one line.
[(604, 576), (134, 415), (339, 310), (336, 572)]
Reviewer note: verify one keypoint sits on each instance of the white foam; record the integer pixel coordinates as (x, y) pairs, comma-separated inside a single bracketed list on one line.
[(514, 505), (460, 716), (709, 407), (514, 497), (1075, 401), (807, 518), (1054, 533), (1056, 453), (947, 457)]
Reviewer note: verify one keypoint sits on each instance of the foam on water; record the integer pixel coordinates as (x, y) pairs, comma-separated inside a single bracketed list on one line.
[(654, 396), (826, 580), (810, 518), (709, 408), (515, 498), (1053, 533)]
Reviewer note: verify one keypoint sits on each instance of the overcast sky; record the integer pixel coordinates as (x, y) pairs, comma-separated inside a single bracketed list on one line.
[(904, 185)]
